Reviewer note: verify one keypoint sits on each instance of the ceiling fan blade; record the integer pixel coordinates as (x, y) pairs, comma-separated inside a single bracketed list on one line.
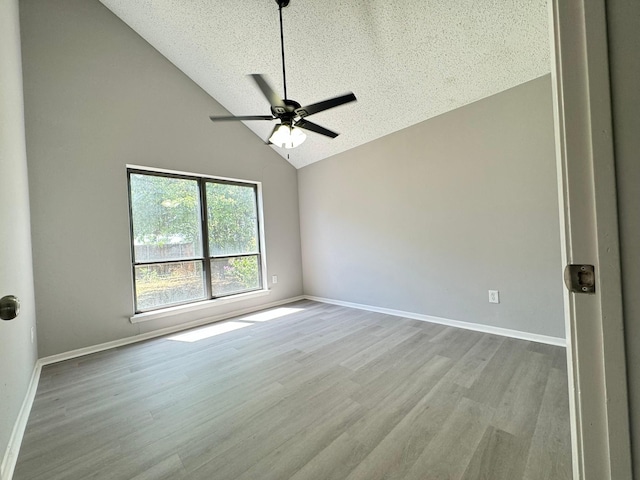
[(272, 96), (241, 118), (325, 105), (314, 127)]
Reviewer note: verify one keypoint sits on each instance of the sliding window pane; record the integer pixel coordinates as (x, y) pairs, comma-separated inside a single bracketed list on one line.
[(234, 275), (166, 218), (232, 216), (165, 284)]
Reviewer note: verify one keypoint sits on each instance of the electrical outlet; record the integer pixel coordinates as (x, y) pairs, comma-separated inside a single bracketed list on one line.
[(274, 279), (494, 296)]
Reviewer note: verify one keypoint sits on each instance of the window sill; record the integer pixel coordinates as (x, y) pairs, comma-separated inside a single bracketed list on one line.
[(192, 307)]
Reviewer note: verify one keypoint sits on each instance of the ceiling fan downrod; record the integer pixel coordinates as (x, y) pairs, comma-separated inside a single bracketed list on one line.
[(281, 5)]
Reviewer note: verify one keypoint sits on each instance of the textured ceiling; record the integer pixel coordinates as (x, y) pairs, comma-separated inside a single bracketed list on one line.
[(406, 61)]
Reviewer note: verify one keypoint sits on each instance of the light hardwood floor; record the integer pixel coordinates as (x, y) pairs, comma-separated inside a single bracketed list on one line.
[(321, 392)]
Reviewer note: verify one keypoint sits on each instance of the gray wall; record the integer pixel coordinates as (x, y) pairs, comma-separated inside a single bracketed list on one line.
[(98, 97), (428, 219), (624, 45), (17, 352)]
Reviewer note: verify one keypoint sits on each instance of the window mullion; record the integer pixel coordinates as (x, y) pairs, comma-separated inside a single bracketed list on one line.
[(205, 237), (236, 255), (163, 262)]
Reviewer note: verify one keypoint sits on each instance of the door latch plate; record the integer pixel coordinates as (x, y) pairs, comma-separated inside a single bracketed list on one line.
[(580, 278)]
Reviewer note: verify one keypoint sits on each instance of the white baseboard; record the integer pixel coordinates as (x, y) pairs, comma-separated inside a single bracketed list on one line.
[(504, 332), (60, 357), (11, 454)]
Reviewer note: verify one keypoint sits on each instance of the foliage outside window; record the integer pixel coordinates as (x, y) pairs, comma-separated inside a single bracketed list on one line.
[(179, 258)]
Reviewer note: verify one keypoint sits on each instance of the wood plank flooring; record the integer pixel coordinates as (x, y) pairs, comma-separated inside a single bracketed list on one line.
[(321, 392)]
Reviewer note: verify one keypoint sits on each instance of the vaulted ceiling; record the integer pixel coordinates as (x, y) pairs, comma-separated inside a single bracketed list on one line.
[(406, 61)]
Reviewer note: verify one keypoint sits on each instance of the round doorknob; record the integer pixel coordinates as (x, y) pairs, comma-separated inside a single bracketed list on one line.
[(9, 307)]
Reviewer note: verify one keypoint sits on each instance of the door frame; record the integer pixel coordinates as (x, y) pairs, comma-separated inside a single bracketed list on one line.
[(598, 397)]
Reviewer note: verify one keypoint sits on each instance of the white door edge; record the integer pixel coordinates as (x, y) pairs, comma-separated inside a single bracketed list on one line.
[(589, 231)]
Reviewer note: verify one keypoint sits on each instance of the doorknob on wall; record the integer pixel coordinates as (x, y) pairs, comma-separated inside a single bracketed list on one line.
[(9, 307)]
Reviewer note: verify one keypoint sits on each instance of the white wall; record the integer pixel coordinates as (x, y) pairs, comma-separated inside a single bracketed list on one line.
[(17, 352), (430, 218), (98, 97), (624, 44)]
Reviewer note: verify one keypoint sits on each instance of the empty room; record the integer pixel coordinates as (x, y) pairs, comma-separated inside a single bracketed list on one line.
[(284, 239)]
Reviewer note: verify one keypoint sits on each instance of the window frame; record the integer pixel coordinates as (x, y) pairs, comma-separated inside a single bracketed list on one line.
[(206, 258)]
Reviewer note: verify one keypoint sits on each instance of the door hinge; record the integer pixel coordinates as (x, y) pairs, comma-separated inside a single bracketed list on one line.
[(580, 278)]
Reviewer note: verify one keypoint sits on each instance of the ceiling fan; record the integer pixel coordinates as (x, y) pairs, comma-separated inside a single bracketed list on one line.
[(288, 133)]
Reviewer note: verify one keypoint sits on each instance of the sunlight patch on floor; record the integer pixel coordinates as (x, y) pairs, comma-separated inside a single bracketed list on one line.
[(208, 331), (270, 314), (231, 325)]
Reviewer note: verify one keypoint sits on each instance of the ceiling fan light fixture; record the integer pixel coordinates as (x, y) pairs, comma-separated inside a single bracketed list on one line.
[(286, 136)]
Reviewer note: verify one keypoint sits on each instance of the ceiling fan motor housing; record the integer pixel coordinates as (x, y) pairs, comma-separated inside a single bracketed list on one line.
[(286, 112)]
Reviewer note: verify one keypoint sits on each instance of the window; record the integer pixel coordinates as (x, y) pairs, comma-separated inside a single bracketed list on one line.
[(193, 238)]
